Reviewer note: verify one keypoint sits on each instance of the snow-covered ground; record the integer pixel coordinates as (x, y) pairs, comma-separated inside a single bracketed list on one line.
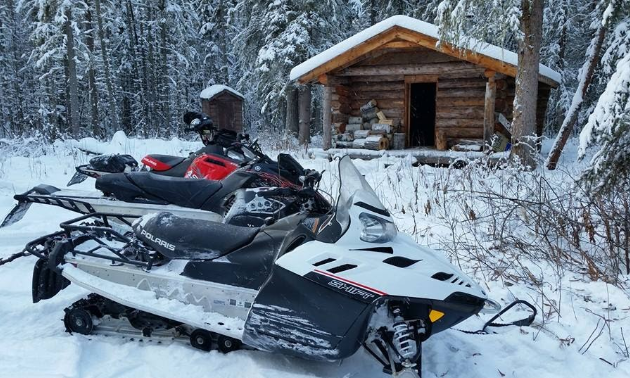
[(580, 314)]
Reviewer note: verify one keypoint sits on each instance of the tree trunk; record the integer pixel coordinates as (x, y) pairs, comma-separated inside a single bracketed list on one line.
[(223, 40), (327, 118), (164, 80), (139, 67), (18, 111), (71, 80), (151, 69), (586, 76), (92, 90), (293, 119), (562, 46), (113, 115), (304, 105), (372, 12), (488, 114), (524, 121)]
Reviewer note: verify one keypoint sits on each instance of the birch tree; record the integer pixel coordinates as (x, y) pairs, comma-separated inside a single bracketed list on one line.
[(609, 123), (585, 77)]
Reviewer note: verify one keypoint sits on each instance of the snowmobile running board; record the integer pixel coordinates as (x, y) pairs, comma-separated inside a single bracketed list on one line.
[(191, 315)]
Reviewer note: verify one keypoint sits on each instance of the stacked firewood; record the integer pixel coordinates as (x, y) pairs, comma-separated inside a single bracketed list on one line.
[(372, 130)]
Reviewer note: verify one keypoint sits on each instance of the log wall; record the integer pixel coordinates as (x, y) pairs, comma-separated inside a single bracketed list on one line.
[(460, 96)]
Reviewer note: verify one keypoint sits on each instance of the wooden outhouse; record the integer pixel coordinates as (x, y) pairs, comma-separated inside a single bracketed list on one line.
[(432, 92), (224, 105)]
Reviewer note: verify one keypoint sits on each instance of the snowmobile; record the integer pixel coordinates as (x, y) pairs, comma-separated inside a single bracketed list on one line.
[(220, 156), (139, 193), (316, 285)]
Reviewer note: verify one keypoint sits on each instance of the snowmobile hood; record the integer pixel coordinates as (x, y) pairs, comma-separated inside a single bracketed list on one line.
[(400, 268), (371, 254)]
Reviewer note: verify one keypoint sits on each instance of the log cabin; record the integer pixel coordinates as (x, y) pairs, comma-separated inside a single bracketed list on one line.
[(224, 105), (438, 94)]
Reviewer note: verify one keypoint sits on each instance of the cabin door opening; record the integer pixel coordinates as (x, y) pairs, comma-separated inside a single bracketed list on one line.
[(422, 114)]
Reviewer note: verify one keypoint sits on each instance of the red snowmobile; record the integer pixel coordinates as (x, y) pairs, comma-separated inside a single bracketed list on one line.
[(221, 155)]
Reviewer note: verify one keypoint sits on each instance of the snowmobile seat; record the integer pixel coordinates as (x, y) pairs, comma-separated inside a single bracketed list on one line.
[(141, 187), (191, 239), (185, 192)]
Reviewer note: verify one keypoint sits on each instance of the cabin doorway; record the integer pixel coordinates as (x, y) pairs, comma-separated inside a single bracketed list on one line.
[(422, 114)]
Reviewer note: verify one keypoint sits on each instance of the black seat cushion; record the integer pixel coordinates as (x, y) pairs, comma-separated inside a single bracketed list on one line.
[(167, 159), (178, 191), (191, 239), (118, 185)]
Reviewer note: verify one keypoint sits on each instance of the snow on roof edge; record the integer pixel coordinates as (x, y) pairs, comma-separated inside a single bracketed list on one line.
[(492, 51), (215, 89)]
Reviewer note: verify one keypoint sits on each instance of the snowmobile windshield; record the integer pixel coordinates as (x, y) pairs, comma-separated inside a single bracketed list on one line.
[(353, 189)]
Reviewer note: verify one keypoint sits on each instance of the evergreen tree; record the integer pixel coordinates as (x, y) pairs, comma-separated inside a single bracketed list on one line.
[(609, 123), (138, 65)]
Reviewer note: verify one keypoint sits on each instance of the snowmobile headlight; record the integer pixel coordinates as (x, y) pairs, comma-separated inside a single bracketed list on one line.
[(490, 307), (376, 229)]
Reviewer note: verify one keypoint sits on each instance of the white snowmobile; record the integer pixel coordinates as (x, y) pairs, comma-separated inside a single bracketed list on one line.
[(312, 285)]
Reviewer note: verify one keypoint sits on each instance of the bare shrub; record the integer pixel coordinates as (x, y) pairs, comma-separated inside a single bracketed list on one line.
[(504, 219)]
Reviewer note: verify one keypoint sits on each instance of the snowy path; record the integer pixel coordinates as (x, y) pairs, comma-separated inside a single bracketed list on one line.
[(33, 342)]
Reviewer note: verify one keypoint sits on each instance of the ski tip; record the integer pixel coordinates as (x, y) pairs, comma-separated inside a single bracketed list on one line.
[(77, 178), (16, 214)]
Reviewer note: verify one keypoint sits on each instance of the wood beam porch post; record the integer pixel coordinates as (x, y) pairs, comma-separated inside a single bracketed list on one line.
[(327, 117), (488, 118)]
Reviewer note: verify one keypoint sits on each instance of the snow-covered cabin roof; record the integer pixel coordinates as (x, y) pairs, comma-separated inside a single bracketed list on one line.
[(419, 32), (214, 90)]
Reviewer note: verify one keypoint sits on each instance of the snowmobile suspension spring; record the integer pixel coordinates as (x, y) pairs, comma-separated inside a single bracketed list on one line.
[(404, 340)]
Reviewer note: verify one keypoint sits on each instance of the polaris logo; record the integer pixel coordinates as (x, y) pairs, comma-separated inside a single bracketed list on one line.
[(352, 290), (158, 241), (151, 162)]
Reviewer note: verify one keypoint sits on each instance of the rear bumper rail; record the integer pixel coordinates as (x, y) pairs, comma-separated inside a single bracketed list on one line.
[(76, 232)]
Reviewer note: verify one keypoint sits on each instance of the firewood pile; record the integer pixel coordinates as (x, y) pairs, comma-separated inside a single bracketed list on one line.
[(372, 131)]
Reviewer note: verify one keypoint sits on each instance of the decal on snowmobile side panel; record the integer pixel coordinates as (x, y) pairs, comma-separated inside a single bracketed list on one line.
[(350, 288), (158, 241), (312, 330)]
